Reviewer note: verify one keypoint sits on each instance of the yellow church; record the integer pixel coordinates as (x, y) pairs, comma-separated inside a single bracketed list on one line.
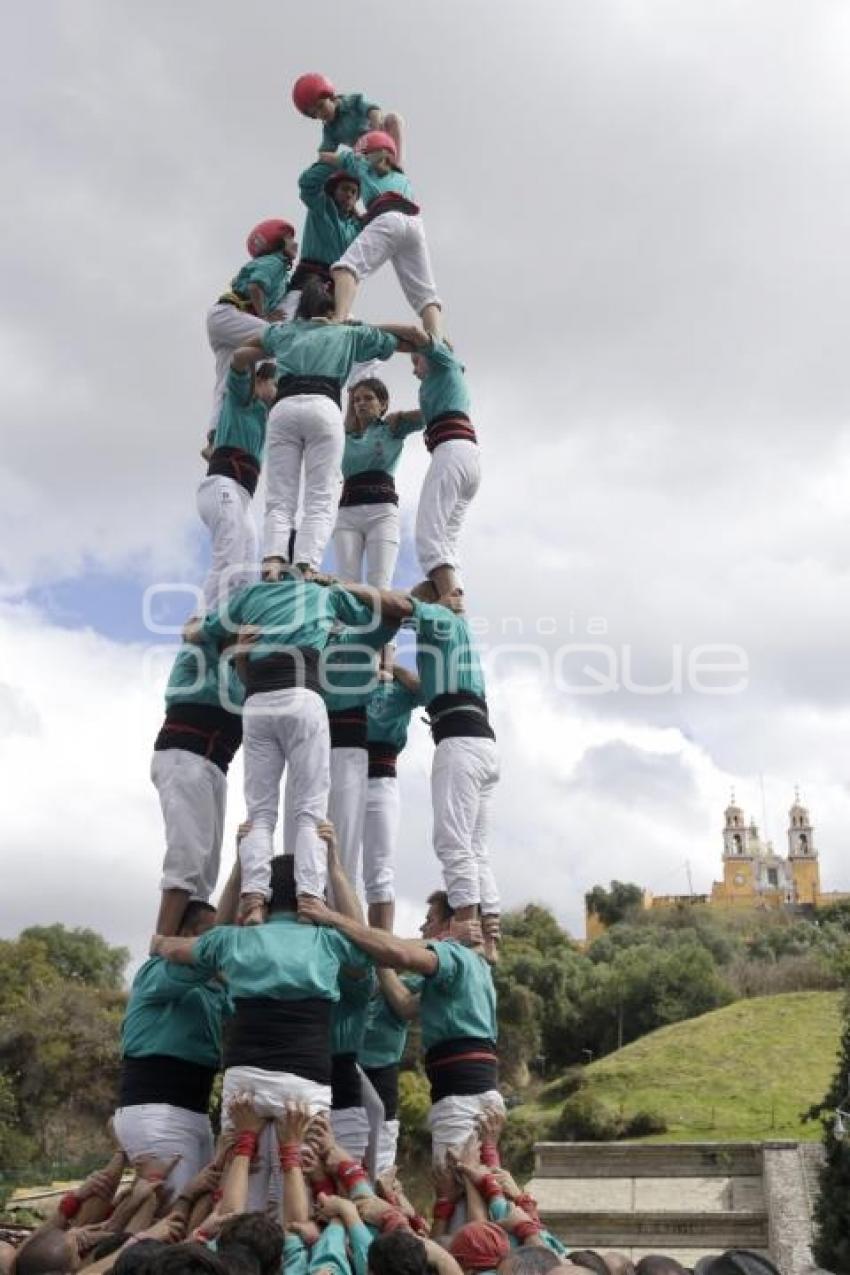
[(754, 875)]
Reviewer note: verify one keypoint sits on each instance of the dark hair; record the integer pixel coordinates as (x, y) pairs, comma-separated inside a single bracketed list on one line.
[(283, 894), (441, 900), (187, 1259), (193, 912), (265, 372), (659, 1264), (138, 1259), (398, 1253), (316, 301), (589, 1260), (257, 1233), (376, 385), (529, 1261), (240, 1260), (108, 1245), (43, 1252)]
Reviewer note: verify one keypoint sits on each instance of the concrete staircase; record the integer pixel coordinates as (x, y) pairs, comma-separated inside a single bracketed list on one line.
[(684, 1199)]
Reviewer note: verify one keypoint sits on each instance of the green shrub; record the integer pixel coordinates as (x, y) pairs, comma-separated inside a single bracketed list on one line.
[(585, 1118)]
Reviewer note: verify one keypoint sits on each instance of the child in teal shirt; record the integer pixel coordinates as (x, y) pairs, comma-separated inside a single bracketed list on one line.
[(345, 116)]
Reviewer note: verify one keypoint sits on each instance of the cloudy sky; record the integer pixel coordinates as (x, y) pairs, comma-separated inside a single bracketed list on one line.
[(638, 212)]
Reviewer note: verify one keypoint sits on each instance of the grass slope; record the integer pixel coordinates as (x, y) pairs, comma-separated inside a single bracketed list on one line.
[(747, 1071)]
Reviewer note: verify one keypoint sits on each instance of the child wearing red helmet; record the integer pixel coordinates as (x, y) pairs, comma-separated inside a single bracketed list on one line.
[(253, 299), (392, 231), (330, 196), (345, 116)]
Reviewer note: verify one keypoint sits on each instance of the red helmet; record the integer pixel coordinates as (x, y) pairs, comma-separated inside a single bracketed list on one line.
[(308, 88), (268, 236), (341, 175), (376, 141)]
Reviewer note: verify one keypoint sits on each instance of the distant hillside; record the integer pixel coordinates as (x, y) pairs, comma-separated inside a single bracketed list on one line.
[(748, 1070)]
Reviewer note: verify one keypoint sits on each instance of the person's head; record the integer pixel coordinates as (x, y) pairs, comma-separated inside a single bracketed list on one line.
[(370, 399), (284, 897), (257, 1233), (315, 96), (438, 917), (735, 1261), (529, 1261), (619, 1264), (138, 1259), (265, 383), (660, 1264), (589, 1260), (424, 591), (315, 301), (49, 1251), (240, 1260), (379, 150), (273, 235), (398, 1253), (187, 1259), (479, 1246), (344, 189), (197, 919)]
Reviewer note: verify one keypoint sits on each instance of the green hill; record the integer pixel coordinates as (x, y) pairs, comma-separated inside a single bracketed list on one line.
[(747, 1071)]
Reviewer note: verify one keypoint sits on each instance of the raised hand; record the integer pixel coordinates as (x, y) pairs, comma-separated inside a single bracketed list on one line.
[(491, 1122), (314, 910), (152, 1169), (293, 1124), (242, 1115)]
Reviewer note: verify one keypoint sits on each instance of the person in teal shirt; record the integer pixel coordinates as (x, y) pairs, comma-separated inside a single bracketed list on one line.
[(193, 750), (284, 979), (388, 713), (171, 1040), (235, 456), (454, 474), (349, 1119), (345, 117), (392, 231), (380, 1057), (367, 523), (330, 196), (253, 299), (305, 426), (456, 1005)]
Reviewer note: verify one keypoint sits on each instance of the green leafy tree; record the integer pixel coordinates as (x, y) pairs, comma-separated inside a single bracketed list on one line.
[(620, 901), (832, 1211), (81, 955)]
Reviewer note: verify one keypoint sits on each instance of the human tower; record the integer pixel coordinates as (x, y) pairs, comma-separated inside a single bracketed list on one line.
[(298, 667)]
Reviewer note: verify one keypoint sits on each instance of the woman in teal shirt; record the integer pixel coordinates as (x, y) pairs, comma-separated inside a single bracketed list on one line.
[(367, 523)]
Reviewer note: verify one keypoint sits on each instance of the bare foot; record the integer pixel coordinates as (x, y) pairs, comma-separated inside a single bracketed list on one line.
[(252, 909)]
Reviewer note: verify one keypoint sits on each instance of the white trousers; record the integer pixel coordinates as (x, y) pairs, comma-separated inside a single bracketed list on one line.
[(271, 1091), (380, 837), (395, 237), (193, 795), (224, 507), (463, 775), (157, 1128), (306, 428), (285, 728), (371, 531), (452, 1120), (347, 805), (387, 1146), (351, 1130), (452, 479), (227, 329)]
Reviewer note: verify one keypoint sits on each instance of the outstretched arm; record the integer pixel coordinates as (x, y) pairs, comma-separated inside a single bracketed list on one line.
[(403, 1002), (178, 950), (408, 335), (344, 895), (383, 947), (392, 603), (408, 680), (246, 356)]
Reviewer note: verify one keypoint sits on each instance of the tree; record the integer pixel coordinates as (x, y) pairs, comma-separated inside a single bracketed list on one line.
[(615, 904), (81, 955), (832, 1210)]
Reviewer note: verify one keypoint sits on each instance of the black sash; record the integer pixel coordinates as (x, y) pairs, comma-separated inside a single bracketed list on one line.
[(346, 1082), (372, 487), (382, 760), (235, 463), (163, 1078), (281, 670), (323, 386), (348, 728), (467, 1065), (459, 714), (278, 1035), (204, 729)]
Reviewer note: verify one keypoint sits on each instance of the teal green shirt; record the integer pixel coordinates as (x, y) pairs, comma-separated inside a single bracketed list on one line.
[(350, 122), (270, 273), (289, 612), (446, 658), (242, 422), (372, 184), (444, 388), (295, 1255), (174, 1010), (377, 447), (459, 999), (386, 1034), (359, 1241), (281, 959), (307, 348), (388, 713), (348, 1017), (327, 233), (196, 678), (498, 1208), (349, 668), (328, 1253)]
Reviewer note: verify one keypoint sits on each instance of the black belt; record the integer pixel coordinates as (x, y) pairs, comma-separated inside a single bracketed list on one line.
[(204, 729), (390, 201), (238, 302), (348, 728), (281, 670), (372, 487), (279, 1035), (468, 1065), (164, 1078), (346, 1082), (382, 760), (322, 386), (459, 714), (384, 1081), (447, 427), (235, 463)]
